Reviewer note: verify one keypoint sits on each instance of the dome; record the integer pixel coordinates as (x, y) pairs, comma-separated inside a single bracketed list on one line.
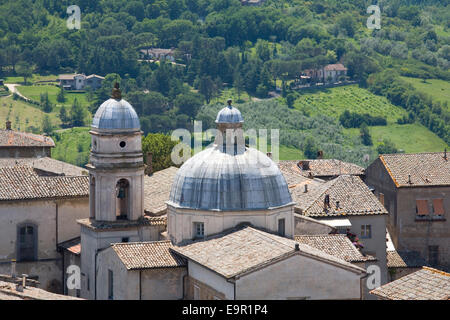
[(229, 114), (215, 180), (116, 114)]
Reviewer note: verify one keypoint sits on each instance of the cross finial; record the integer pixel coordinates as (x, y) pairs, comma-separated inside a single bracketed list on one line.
[(116, 93)]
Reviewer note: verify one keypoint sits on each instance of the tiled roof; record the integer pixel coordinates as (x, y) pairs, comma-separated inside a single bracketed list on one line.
[(73, 245), (45, 165), (336, 67), (425, 284), (404, 259), (147, 255), (11, 138), (123, 224), (157, 190), (322, 167), (23, 183), (8, 291), (239, 251), (292, 173), (425, 169), (338, 245), (353, 195)]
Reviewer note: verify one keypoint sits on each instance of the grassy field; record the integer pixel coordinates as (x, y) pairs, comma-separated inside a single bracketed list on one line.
[(34, 78), (23, 115), (334, 101), (34, 93), (439, 90), (411, 138), (72, 145)]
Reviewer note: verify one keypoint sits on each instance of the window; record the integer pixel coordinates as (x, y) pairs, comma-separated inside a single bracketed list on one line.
[(438, 207), (196, 292), (123, 195), (281, 227), (122, 144), (126, 239), (199, 229), (366, 231), (422, 207), (110, 285), (433, 255), (27, 242)]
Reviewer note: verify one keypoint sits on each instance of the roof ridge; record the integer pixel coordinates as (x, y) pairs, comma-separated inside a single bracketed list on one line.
[(436, 271)]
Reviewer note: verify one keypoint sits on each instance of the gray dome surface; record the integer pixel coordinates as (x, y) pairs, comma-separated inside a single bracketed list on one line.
[(214, 180), (116, 114), (229, 114)]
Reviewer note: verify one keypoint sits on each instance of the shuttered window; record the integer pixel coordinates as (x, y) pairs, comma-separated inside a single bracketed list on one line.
[(438, 206), (422, 207)]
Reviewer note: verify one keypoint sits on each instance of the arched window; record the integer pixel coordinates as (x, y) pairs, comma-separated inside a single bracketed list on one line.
[(92, 195), (27, 242), (123, 199)]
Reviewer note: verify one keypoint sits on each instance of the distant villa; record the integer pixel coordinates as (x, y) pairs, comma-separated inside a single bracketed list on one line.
[(80, 81)]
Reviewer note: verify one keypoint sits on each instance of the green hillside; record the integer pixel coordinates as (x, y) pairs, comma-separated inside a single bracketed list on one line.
[(333, 102), (439, 90)]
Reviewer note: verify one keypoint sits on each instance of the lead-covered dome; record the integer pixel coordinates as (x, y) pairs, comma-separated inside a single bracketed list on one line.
[(229, 114), (215, 179), (116, 114)]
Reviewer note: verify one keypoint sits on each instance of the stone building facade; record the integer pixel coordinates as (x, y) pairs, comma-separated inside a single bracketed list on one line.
[(415, 189)]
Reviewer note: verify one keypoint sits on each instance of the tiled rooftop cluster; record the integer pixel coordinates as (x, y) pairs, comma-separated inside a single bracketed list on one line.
[(338, 245), (353, 195), (23, 182), (425, 284), (11, 138), (8, 291), (148, 255), (45, 165), (322, 167), (239, 251), (418, 169), (157, 190)]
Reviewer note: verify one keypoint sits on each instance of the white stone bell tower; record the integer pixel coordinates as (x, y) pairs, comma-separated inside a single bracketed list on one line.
[(116, 172)]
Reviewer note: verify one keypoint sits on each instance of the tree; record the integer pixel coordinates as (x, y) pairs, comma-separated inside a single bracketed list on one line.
[(365, 135), (47, 125), (290, 99), (387, 146), (25, 70), (46, 105), (207, 88), (160, 146), (61, 96), (238, 82), (77, 114), (310, 149), (65, 119), (189, 103)]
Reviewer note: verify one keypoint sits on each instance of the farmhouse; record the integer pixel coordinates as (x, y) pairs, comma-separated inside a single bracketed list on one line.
[(80, 81), (158, 54)]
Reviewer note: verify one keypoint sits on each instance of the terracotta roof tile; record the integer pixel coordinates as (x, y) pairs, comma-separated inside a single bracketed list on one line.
[(23, 183), (425, 284), (404, 259), (353, 195), (425, 169), (338, 245), (11, 138), (321, 168), (45, 165), (239, 251), (157, 190), (73, 245), (147, 255)]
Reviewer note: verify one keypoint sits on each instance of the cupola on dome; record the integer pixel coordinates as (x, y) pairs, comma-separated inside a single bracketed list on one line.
[(229, 114), (116, 113)]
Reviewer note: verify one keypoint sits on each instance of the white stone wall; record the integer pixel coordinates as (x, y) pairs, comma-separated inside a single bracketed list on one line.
[(211, 279), (181, 221), (299, 277), (42, 214)]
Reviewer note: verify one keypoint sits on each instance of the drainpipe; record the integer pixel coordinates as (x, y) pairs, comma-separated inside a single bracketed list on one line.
[(140, 284), (361, 286), (56, 219)]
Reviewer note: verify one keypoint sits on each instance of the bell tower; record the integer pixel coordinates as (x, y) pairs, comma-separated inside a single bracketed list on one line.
[(116, 171)]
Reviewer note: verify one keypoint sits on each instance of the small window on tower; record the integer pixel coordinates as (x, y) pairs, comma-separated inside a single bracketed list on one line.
[(122, 144), (199, 230)]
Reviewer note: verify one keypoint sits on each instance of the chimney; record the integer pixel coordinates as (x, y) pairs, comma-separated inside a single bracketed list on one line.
[(320, 154), (409, 179), (304, 164), (8, 125), (445, 154), (326, 201), (306, 188), (149, 163), (297, 247), (13, 268), (337, 205), (24, 280), (269, 154)]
